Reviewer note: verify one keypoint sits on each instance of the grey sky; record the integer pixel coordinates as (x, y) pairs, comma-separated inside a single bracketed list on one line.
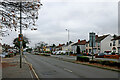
[(80, 17)]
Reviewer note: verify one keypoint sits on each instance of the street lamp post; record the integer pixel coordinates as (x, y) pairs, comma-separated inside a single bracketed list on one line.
[(68, 34), (68, 39), (20, 33)]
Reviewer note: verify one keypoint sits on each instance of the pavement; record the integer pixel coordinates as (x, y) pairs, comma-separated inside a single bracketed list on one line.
[(48, 67), (11, 69), (0, 69)]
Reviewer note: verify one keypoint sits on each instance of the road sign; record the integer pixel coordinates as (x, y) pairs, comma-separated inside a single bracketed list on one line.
[(20, 37), (92, 39)]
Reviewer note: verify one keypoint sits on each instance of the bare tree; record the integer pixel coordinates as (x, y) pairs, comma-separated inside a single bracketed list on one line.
[(10, 14)]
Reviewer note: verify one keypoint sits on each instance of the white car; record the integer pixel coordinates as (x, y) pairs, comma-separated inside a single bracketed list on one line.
[(58, 52), (2, 55), (63, 52)]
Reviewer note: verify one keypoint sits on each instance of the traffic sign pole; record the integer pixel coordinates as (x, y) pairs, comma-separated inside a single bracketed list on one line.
[(20, 34)]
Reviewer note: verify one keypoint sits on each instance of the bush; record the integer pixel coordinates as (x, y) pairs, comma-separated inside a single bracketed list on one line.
[(83, 58), (108, 63), (92, 61)]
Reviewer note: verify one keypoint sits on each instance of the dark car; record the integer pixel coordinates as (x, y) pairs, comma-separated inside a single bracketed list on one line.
[(100, 55)]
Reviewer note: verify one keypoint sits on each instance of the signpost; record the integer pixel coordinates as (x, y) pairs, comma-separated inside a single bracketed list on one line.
[(92, 42)]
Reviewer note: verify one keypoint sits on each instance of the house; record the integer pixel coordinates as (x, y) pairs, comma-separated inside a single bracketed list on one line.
[(0, 48), (68, 47), (81, 45), (102, 44), (115, 45), (47, 48), (59, 47)]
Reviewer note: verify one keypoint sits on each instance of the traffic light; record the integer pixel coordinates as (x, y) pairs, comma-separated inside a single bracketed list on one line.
[(20, 37)]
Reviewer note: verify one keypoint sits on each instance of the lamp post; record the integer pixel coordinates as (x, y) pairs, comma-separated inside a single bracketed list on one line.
[(20, 33), (68, 34), (68, 39)]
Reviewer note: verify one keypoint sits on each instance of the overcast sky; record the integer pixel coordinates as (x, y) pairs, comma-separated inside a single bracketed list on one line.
[(79, 16)]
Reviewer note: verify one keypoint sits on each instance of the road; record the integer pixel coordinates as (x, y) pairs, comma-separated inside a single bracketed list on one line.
[(49, 67)]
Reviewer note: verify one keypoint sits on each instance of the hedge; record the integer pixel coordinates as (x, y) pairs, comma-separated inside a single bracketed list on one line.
[(108, 63), (83, 58)]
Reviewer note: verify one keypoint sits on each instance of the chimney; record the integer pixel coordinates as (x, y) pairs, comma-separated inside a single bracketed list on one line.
[(96, 36), (78, 40), (59, 44)]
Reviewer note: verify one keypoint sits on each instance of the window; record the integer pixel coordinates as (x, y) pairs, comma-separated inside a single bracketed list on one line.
[(86, 45), (110, 44), (114, 43), (119, 41), (98, 44)]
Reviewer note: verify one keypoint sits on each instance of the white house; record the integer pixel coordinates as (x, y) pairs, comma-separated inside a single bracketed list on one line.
[(68, 47), (116, 45), (102, 44), (81, 45), (105, 43)]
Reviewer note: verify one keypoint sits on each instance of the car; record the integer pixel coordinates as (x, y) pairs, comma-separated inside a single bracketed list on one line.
[(100, 55), (54, 52), (2, 55), (63, 52), (58, 52)]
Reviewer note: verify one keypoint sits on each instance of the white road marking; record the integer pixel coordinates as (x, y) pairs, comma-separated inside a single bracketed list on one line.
[(68, 70)]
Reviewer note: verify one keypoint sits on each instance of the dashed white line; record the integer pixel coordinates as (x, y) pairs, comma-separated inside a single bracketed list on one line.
[(68, 70)]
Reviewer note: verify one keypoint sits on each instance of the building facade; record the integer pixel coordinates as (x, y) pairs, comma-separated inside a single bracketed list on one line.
[(81, 45), (115, 45), (68, 47), (102, 44)]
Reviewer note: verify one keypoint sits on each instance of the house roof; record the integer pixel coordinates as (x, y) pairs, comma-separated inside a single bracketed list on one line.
[(101, 38), (60, 45), (116, 38), (83, 42)]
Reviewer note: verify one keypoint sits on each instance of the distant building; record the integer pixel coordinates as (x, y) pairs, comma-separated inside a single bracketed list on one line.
[(115, 45), (81, 45), (59, 47)]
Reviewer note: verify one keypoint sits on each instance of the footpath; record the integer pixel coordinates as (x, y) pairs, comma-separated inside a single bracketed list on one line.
[(11, 69)]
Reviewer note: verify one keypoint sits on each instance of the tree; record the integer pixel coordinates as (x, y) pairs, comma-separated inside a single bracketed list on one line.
[(16, 42), (114, 36), (41, 45), (78, 50), (10, 14)]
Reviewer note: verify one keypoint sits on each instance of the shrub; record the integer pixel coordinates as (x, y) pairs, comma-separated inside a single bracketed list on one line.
[(108, 63), (82, 58), (92, 61)]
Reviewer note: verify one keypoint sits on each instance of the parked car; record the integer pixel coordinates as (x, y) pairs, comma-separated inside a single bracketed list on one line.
[(54, 52), (2, 55), (63, 52), (100, 55), (58, 52)]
